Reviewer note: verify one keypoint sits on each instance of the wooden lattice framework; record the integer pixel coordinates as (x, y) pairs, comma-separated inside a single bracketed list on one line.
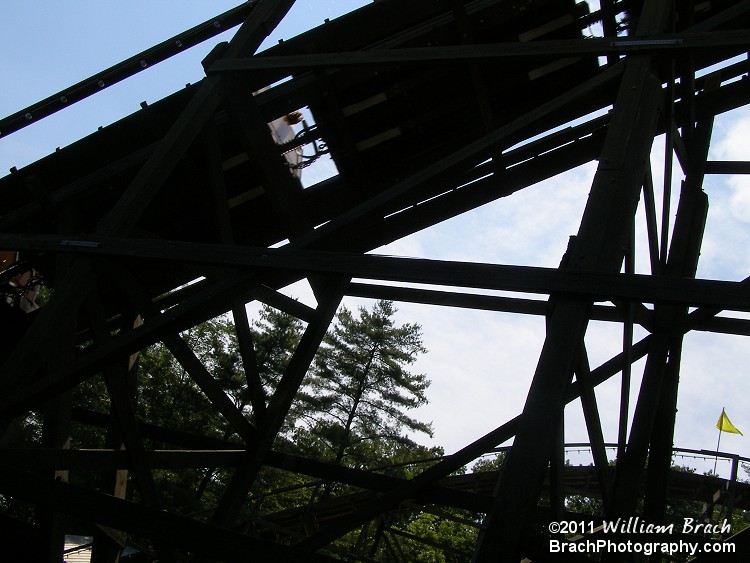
[(418, 103)]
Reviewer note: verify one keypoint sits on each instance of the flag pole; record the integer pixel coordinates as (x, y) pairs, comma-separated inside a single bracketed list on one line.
[(718, 441)]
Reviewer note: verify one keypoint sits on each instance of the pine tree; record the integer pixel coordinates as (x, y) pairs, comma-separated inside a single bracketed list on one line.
[(360, 389), (168, 396), (275, 337)]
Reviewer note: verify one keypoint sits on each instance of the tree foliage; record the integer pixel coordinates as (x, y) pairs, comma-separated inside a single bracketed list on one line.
[(354, 409), (360, 389), (275, 337)]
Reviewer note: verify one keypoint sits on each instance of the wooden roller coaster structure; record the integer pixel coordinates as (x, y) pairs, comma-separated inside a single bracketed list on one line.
[(188, 209)]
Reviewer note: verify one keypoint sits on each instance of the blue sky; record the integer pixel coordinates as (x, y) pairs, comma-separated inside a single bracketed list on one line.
[(480, 363), (48, 45)]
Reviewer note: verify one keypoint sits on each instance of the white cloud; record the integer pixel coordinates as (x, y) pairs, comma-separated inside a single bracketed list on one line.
[(531, 227)]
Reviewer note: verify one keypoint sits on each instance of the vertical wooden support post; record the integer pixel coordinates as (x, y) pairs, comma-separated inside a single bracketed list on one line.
[(57, 412), (557, 474), (657, 399), (55, 435), (732, 490), (73, 291), (108, 543), (660, 452), (594, 426), (602, 238), (627, 351)]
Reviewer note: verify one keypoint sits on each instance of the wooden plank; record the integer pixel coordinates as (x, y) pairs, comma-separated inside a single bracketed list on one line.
[(213, 391), (127, 68), (75, 188), (188, 360), (474, 151), (249, 363), (28, 358), (239, 314), (459, 459), (210, 146), (279, 404), (660, 456), (649, 202), (260, 23), (683, 262), (721, 18), (116, 378), (557, 474), (213, 452), (204, 305), (56, 428), (599, 286), (231, 459), (283, 189), (603, 234), (192, 310), (594, 428), (460, 54), (728, 167)]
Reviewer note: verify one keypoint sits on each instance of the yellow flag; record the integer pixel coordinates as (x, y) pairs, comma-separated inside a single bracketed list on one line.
[(725, 425)]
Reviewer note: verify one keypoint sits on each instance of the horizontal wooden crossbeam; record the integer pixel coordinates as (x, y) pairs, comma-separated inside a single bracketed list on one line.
[(596, 286), (188, 534), (459, 54)]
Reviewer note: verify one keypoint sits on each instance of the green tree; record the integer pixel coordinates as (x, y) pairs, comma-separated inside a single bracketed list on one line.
[(435, 534), (275, 337), (449, 535), (445, 536), (360, 389), (169, 397), (489, 463), (352, 410)]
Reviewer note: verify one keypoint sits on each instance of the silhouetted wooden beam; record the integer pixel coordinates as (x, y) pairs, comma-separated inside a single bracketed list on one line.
[(657, 399), (210, 451), (461, 54), (27, 358), (722, 18), (211, 301), (118, 389), (187, 358), (483, 444), (481, 148), (185, 533), (604, 233), (598, 286), (280, 402), (727, 167), (77, 187), (462, 457), (127, 68), (594, 428), (234, 458)]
